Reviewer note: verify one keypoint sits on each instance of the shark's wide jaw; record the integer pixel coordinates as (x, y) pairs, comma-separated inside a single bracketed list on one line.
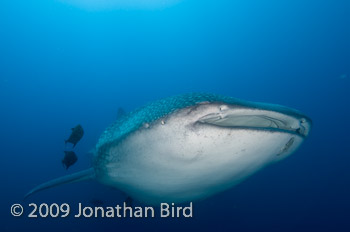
[(258, 119)]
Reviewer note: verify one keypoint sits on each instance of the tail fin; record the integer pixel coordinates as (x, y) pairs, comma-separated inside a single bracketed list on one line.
[(76, 177)]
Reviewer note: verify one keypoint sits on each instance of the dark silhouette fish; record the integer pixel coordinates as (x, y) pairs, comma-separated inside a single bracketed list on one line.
[(76, 135), (69, 159)]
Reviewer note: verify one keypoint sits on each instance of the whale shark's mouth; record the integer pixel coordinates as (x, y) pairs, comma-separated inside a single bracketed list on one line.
[(260, 120)]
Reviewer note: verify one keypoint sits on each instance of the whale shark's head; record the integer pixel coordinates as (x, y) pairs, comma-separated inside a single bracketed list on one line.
[(192, 146)]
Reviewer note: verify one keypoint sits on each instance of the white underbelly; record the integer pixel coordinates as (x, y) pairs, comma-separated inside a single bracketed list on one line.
[(174, 164)]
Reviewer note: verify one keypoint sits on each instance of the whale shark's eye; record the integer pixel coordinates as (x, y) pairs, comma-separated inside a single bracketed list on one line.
[(303, 120), (146, 125)]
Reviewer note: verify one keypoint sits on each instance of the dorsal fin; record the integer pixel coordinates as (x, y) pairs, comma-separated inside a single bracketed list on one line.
[(121, 113)]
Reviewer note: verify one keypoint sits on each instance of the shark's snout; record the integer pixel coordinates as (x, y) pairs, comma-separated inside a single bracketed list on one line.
[(304, 126)]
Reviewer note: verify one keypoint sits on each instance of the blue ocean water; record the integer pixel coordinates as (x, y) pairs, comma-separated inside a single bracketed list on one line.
[(65, 64)]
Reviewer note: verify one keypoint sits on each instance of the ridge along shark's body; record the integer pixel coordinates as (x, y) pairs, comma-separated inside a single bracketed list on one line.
[(191, 146)]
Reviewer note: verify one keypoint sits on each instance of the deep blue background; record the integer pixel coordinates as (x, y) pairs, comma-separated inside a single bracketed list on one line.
[(61, 65)]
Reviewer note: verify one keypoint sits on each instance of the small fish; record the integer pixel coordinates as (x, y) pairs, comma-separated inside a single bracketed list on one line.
[(69, 159), (76, 135)]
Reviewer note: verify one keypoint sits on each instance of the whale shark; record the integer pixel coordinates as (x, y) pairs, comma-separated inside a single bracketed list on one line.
[(191, 146)]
